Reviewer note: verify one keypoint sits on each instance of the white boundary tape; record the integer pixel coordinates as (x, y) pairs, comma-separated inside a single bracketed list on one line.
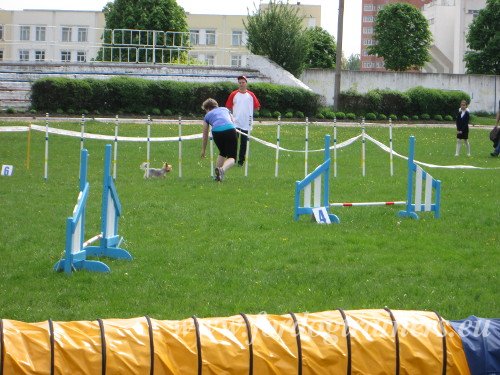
[(346, 143)]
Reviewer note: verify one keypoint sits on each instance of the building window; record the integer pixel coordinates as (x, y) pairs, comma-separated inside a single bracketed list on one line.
[(194, 37), (65, 56), (40, 33), (81, 56), (368, 7), (379, 7), (236, 60), (367, 30), (368, 19), (210, 60), (1, 32), (40, 55), (83, 34), (210, 37), (365, 52), (368, 42), (1, 54), (24, 55), (66, 34), (237, 38), (25, 33), (368, 64)]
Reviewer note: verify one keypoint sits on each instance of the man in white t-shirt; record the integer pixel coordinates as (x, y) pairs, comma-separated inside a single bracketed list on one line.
[(243, 103)]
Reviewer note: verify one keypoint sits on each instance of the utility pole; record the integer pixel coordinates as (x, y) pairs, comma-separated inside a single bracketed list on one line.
[(338, 60)]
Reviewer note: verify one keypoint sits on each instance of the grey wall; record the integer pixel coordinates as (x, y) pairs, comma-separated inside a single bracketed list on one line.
[(483, 89)]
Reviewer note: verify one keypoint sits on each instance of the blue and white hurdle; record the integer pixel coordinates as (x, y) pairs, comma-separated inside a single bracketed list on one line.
[(312, 183), (76, 250), (316, 186), (425, 191)]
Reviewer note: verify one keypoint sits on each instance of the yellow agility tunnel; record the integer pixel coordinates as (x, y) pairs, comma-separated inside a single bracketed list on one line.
[(331, 342)]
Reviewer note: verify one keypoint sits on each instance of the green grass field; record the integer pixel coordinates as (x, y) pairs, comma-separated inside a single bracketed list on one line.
[(217, 249)]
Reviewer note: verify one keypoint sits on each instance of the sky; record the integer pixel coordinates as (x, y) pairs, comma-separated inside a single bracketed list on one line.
[(329, 12)]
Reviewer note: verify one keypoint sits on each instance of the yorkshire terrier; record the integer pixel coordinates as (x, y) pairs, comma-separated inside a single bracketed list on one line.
[(155, 172)]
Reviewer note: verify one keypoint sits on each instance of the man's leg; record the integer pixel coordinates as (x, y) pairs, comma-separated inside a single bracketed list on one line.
[(243, 147)]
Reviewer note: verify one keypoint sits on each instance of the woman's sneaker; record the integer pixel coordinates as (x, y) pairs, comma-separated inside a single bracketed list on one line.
[(221, 174), (217, 174)]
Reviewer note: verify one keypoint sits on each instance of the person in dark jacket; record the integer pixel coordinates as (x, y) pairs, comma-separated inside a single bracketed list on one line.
[(496, 134), (463, 128)]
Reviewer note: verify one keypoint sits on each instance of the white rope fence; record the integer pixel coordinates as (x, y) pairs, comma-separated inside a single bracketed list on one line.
[(180, 137)]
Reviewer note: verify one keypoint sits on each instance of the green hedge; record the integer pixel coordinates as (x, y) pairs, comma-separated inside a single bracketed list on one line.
[(415, 101), (135, 95)]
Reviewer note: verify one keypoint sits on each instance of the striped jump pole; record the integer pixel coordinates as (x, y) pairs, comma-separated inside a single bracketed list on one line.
[(391, 154), (82, 131), (357, 204), (420, 185), (180, 146), (363, 148), (46, 160), (115, 153), (334, 147), (306, 147), (276, 166), (247, 154), (148, 145)]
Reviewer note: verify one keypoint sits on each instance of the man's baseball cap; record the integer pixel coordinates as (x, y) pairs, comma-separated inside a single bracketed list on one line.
[(242, 77)]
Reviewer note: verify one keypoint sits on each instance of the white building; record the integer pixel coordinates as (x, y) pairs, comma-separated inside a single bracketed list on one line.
[(449, 23)]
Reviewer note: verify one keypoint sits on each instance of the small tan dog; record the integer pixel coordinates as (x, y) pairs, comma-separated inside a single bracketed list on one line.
[(155, 172)]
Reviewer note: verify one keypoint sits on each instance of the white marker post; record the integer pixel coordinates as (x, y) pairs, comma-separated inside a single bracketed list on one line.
[(334, 147), (148, 145), (306, 147), (46, 162), (391, 162), (363, 149), (276, 167), (115, 154), (180, 146)]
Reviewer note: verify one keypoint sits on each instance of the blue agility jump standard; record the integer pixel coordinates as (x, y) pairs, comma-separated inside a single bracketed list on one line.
[(76, 250)]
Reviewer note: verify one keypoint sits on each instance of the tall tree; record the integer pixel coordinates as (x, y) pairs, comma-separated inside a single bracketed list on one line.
[(154, 15), (402, 37), (483, 39), (353, 62), (165, 15), (276, 31), (322, 48)]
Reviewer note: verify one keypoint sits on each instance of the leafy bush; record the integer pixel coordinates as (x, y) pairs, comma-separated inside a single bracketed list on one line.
[(448, 118), (438, 117), (256, 114), (71, 111), (320, 116), (393, 117), (167, 112), (435, 101), (288, 115), (350, 116), (425, 116), (156, 111), (415, 117), (370, 116), (405, 118), (299, 114), (277, 114), (265, 112), (59, 111), (330, 115), (10, 110), (135, 95), (381, 116), (340, 115)]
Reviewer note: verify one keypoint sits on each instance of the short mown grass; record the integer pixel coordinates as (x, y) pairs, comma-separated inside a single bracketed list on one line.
[(217, 249)]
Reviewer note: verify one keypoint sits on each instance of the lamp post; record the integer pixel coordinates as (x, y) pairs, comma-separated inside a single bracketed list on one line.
[(338, 60)]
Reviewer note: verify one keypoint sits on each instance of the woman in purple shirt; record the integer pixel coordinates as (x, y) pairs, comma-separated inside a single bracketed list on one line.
[(223, 133)]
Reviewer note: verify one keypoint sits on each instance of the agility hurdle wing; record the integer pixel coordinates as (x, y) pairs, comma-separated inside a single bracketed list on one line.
[(76, 250), (420, 185), (111, 210), (315, 185), (75, 254)]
